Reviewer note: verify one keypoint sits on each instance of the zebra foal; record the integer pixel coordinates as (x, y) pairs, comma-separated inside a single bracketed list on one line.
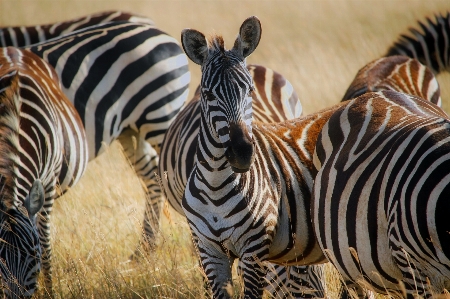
[(381, 194), (248, 194), (43, 152)]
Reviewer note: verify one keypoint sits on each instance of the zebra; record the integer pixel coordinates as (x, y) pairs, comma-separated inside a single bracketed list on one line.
[(44, 152), (431, 47), (396, 73), (22, 36), (239, 162), (380, 197), (127, 81), (166, 88), (284, 149), (274, 100)]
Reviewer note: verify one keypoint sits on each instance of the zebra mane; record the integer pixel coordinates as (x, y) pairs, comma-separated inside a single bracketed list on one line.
[(216, 43), (9, 134)]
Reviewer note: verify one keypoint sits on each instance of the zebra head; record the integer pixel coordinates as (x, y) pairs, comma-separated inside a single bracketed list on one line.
[(226, 88), (20, 251)]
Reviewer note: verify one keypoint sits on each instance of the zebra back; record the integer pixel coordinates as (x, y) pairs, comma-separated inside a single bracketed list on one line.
[(22, 36), (397, 73), (127, 81), (431, 46), (44, 152), (120, 75)]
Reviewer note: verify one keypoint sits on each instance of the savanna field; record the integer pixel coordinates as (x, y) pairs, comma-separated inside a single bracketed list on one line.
[(317, 45)]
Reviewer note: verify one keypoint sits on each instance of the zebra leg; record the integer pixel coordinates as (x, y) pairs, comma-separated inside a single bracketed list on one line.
[(414, 282), (144, 159), (253, 273), (296, 281), (43, 226), (351, 290), (216, 265)]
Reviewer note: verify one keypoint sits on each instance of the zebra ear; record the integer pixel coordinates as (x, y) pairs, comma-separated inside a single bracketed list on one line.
[(249, 36), (195, 45), (35, 199)]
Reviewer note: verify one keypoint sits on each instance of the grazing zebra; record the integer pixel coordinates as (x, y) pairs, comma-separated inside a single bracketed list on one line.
[(397, 73), (21, 36), (431, 47), (274, 100), (248, 195), (127, 81), (44, 152), (380, 198)]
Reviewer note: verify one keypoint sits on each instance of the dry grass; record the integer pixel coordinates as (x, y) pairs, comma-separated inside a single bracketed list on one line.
[(317, 45)]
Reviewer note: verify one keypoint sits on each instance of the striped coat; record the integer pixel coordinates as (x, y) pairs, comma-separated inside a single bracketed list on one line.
[(248, 194), (127, 81), (22, 36), (274, 100), (430, 45), (380, 196), (44, 152)]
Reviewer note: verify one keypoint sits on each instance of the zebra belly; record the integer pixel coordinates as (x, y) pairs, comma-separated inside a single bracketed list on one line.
[(294, 242), (352, 228), (428, 252)]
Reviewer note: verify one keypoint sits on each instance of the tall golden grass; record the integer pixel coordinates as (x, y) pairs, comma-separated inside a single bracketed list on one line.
[(317, 45)]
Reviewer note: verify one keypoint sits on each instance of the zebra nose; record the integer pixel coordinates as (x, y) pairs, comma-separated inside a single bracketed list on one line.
[(240, 152)]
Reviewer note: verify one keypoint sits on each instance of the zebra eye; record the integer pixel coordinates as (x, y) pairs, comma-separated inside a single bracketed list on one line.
[(208, 95), (250, 92)]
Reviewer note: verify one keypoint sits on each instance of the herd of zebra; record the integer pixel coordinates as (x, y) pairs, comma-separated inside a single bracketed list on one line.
[(361, 184)]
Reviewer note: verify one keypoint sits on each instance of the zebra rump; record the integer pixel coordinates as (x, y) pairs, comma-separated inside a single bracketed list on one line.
[(43, 153), (396, 73), (380, 198)]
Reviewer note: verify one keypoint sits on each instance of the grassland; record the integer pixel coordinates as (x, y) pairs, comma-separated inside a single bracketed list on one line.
[(317, 45)]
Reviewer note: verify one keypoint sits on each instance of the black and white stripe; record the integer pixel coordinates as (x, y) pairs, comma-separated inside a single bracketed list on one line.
[(248, 194), (127, 81), (431, 46), (396, 73), (381, 193), (44, 152), (274, 100), (22, 36)]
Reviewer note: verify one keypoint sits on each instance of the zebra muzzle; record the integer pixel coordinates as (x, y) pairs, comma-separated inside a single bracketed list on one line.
[(240, 152)]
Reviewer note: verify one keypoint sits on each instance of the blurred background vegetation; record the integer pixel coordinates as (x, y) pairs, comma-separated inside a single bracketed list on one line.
[(318, 45)]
